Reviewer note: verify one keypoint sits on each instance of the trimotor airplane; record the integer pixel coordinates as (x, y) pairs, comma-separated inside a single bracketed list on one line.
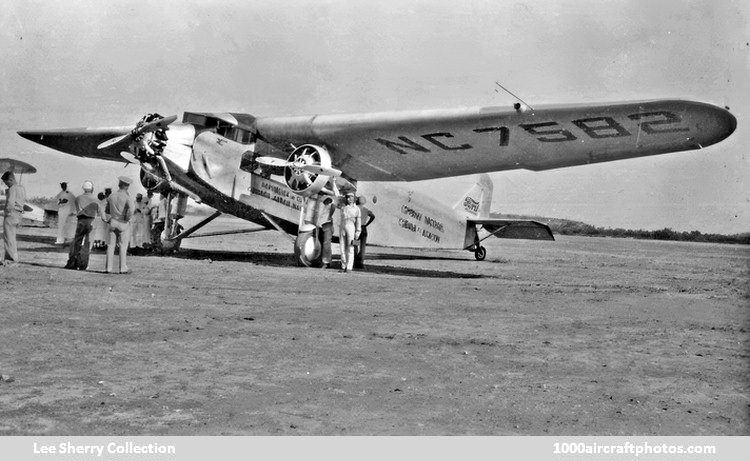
[(32, 214), (274, 171)]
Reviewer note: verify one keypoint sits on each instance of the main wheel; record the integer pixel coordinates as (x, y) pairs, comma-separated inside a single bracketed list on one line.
[(170, 246), (307, 250), (480, 253)]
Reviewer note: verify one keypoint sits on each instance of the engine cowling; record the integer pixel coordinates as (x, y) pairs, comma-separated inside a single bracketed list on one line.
[(306, 183), (148, 180)]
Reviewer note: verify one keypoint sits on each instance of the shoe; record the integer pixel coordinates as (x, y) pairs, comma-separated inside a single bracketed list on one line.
[(126, 271)]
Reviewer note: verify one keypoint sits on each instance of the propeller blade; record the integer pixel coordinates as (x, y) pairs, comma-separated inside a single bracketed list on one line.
[(112, 142), (320, 170), (130, 158), (272, 161), (157, 124), (147, 128)]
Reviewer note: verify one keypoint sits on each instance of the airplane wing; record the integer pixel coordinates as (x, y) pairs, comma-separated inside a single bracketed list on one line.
[(409, 146), (514, 228), (81, 142)]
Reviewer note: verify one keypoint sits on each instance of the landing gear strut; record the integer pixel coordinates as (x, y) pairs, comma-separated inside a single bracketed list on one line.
[(480, 252)]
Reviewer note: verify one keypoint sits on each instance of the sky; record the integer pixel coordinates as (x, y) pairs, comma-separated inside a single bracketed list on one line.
[(92, 63)]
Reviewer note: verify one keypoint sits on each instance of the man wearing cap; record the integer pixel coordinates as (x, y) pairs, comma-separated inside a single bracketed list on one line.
[(120, 207), (15, 198), (367, 217), (148, 219), (65, 208), (88, 208), (350, 227), (325, 219), (158, 219)]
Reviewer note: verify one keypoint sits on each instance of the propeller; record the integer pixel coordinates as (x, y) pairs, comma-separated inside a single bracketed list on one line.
[(130, 158), (299, 165), (149, 127)]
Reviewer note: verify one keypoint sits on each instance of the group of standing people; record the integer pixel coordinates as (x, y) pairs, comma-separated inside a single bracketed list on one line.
[(127, 222), (116, 211), (109, 219), (143, 216), (123, 222), (353, 221)]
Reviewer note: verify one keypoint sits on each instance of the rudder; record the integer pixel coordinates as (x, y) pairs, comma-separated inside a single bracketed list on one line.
[(477, 200)]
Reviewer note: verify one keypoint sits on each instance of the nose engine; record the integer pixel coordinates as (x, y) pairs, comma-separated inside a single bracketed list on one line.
[(149, 181), (300, 173)]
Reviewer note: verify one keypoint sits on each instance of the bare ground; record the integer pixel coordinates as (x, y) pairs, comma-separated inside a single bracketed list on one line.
[(578, 336)]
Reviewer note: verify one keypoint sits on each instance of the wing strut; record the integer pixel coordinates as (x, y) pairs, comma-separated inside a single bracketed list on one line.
[(187, 232), (276, 225), (477, 241), (238, 231)]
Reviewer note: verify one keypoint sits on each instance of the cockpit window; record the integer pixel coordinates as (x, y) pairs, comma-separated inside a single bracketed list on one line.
[(234, 133)]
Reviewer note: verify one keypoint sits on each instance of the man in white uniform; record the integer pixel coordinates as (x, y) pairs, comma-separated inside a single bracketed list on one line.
[(15, 198), (351, 226), (120, 208), (65, 209)]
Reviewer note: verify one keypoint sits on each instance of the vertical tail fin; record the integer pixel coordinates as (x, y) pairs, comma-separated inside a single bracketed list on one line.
[(476, 202)]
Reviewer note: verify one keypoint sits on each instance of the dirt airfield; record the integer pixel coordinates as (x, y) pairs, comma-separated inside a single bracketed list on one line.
[(584, 336)]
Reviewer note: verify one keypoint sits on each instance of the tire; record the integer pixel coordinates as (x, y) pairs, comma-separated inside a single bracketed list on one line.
[(307, 251), (480, 253), (169, 246)]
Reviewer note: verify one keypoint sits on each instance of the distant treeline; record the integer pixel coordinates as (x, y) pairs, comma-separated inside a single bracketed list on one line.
[(569, 227)]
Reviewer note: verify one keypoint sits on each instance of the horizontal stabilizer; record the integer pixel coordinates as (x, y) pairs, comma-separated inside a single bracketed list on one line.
[(515, 228)]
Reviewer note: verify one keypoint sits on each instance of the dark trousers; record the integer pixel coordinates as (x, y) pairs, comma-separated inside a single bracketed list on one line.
[(78, 257), (156, 231), (324, 236), (359, 250)]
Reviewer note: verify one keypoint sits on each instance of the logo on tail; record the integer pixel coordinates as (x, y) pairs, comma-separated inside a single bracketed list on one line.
[(476, 201), (471, 205)]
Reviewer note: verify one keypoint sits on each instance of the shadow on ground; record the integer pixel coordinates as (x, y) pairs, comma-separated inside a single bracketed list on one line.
[(288, 260)]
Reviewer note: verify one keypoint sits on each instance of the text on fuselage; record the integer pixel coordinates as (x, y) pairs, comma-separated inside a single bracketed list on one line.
[(413, 222)]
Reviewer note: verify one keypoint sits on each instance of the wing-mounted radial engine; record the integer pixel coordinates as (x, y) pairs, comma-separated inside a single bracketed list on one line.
[(308, 172)]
